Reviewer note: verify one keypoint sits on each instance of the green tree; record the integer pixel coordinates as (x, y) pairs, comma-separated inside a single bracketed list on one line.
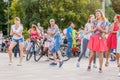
[(62, 11), (16, 10), (3, 22), (116, 6), (110, 13)]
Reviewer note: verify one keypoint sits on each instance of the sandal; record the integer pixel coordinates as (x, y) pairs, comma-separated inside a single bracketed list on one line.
[(106, 64), (118, 65)]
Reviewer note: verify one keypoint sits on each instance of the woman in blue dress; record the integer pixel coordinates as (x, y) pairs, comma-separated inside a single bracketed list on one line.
[(118, 45)]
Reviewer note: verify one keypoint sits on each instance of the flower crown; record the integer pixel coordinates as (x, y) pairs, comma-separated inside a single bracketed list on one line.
[(118, 16)]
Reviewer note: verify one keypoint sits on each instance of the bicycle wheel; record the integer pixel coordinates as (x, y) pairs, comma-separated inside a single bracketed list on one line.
[(29, 53), (38, 55), (63, 49)]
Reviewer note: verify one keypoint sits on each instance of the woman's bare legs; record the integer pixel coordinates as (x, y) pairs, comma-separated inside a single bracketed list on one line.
[(100, 59), (12, 45), (21, 52), (118, 64), (117, 58), (91, 57), (107, 57), (54, 56)]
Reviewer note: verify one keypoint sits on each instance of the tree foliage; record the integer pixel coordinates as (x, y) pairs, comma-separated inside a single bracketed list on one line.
[(110, 13), (62, 11), (116, 6), (2, 16), (16, 10)]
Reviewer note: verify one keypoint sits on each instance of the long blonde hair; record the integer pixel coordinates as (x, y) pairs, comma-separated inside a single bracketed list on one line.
[(102, 14)]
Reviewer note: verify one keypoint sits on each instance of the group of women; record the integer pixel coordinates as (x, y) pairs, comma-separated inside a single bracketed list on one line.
[(99, 38)]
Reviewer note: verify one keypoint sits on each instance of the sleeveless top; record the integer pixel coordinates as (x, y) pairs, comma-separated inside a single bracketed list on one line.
[(34, 35), (116, 28)]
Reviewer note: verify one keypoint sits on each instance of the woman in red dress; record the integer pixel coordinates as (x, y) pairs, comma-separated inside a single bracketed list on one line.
[(112, 38), (97, 42)]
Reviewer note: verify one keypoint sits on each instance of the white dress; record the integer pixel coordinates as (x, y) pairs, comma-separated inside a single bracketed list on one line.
[(118, 42)]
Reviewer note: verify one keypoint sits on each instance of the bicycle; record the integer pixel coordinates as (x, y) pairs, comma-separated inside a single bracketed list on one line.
[(33, 47), (40, 53)]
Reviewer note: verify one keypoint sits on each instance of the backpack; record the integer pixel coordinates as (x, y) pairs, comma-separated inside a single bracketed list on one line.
[(65, 41)]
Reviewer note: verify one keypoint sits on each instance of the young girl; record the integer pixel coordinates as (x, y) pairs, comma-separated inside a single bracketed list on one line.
[(118, 44), (33, 36), (33, 33)]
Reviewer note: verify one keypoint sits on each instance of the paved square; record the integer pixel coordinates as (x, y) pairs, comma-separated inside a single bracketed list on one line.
[(42, 71)]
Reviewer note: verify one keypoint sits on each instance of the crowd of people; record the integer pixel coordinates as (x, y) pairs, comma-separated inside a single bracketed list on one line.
[(99, 36)]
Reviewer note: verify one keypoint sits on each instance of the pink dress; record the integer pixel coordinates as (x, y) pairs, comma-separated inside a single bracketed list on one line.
[(97, 42), (112, 38)]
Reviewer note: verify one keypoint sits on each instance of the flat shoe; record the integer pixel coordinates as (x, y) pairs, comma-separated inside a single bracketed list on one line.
[(19, 64)]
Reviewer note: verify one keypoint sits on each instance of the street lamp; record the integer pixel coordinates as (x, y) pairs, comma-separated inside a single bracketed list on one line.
[(7, 2)]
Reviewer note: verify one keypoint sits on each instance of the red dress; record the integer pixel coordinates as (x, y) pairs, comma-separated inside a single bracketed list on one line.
[(112, 38), (34, 35), (97, 42)]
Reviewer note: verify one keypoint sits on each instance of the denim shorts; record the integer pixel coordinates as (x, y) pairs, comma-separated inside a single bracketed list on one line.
[(17, 40)]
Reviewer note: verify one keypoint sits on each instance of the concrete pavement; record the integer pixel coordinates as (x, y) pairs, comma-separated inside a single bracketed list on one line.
[(42, 71)]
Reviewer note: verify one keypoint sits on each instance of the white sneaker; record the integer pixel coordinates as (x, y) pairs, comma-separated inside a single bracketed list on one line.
[(10, 63), (77, 65), (119, 74), (94, 66)]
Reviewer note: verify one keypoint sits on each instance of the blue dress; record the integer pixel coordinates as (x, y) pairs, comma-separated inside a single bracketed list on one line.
[(118, 42), (57, 40), (69, 41)]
